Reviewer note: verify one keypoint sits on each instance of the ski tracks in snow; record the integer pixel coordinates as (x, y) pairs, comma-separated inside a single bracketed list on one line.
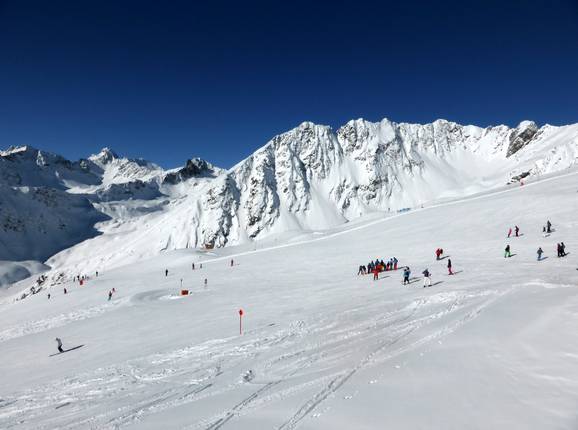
[(318, 356), (38, 326)]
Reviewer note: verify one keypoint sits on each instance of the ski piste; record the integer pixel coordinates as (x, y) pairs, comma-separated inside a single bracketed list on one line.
[(325, 348)]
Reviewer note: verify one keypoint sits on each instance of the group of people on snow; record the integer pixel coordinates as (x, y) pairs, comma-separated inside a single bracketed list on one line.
[(378, 266), (561, 249), (516, 231)]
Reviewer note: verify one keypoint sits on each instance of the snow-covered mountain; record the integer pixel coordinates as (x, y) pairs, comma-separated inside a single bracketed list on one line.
[(314, 178), (306, 179)]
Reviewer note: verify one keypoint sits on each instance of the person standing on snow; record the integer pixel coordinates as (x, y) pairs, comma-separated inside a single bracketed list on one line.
[(548, 226), (426, 278), (376, 273), (193, 266), (517, 230), (509, 232), (406, 273), (59, 342), (166, 272), (562, 249), (539, 252), (507, 252), (232, 262), (395, 261), (109, 295), (450, 267)]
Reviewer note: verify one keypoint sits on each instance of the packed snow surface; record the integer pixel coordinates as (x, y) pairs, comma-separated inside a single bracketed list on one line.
[(493, 347)]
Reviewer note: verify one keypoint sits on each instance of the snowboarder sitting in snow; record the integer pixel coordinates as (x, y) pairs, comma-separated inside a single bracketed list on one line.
[(59, 342), (426, 278)]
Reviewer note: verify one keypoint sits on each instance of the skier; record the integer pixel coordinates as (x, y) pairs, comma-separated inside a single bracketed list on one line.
[(376, 273), (539, 252), (395, 263), (509, 232), (232, 262), (193, 266), (166, 272), (97, 273), (406, 273), (360, 271), (426, 278), (548, 226), (65, 291), (517, 230), (48, 296), (59, 342), (562, 249), (205, 282), (109, 295), (507, 252), (450, 267)]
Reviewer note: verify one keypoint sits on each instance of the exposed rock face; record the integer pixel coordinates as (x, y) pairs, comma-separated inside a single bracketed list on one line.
[(194, 168), (521, 136)]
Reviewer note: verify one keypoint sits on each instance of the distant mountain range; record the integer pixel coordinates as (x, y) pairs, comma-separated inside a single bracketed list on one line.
[(108, 210)]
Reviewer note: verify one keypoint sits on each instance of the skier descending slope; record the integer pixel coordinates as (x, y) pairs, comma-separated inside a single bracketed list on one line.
[(426, 278), (59, 342)]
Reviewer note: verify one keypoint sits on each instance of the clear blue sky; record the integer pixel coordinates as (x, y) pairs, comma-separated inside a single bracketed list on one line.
[(168, 80)]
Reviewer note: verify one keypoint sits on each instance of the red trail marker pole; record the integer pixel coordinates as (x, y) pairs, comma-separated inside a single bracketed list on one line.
[(240, 321)]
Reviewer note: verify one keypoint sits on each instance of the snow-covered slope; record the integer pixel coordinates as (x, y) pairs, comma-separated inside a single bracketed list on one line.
[(493, 347), (308, 179)]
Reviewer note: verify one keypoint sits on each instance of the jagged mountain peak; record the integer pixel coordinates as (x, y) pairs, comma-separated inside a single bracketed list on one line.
[(105, 156), (194, 168)]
